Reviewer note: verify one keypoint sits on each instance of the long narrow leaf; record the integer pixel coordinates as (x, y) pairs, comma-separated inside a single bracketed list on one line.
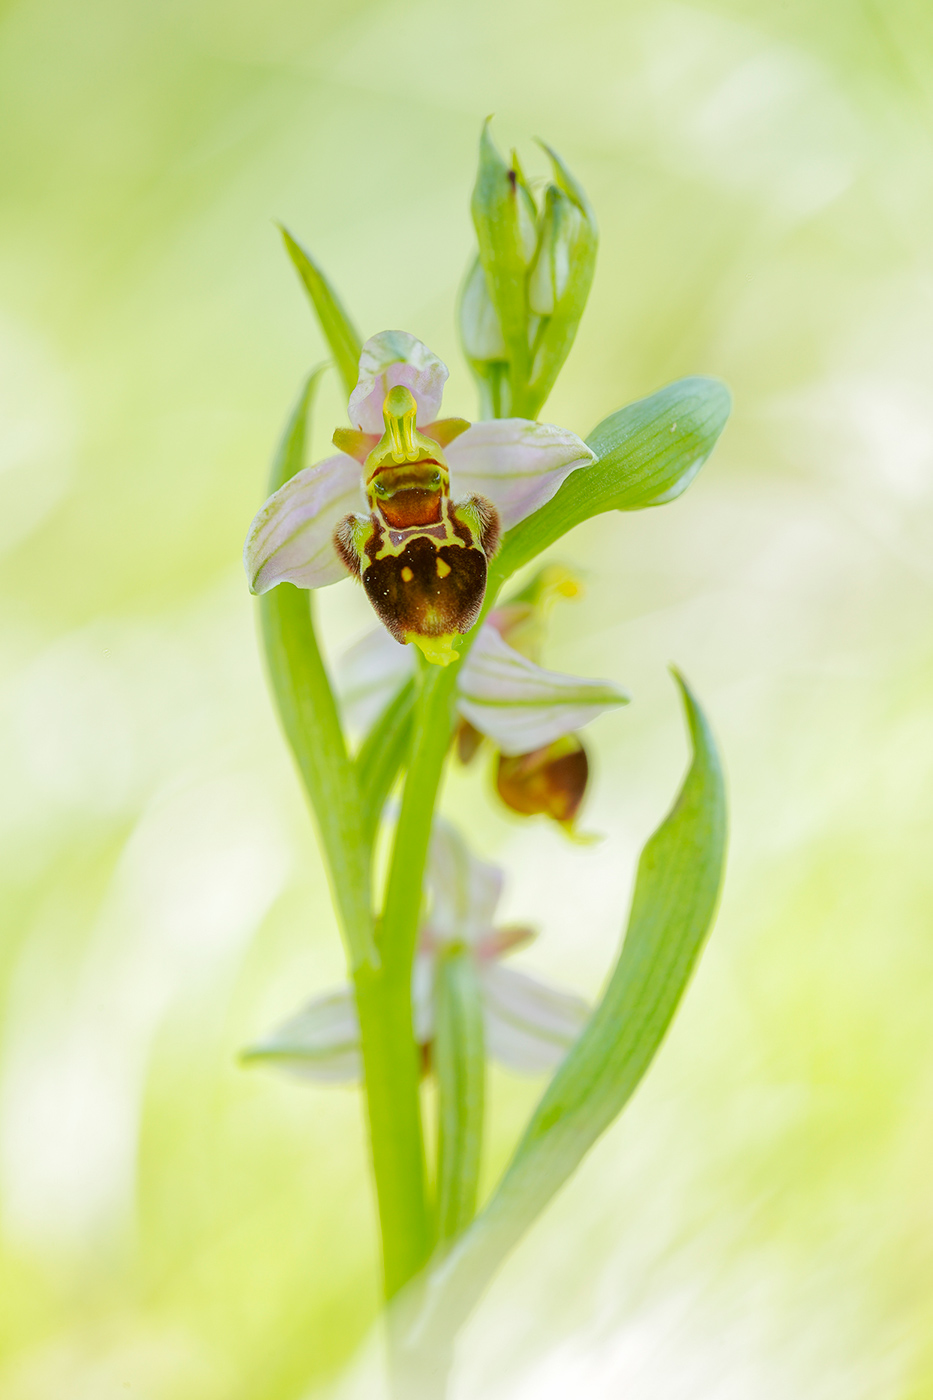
[(647, 454), (382, 755), (460, 1066), (308, 713), (676, 891), (339, 332)]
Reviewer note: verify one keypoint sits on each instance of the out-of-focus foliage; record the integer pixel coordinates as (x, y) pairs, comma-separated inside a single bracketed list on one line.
[(762, 173)]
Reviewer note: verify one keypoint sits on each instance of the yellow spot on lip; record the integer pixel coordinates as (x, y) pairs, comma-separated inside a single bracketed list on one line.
[(438, 650), (407, 575), (443, 568)]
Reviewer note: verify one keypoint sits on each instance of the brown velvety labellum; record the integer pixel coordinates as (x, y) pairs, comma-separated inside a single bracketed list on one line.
[(427, 588), (550, 781)]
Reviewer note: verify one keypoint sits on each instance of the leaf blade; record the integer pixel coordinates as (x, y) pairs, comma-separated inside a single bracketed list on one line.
[(460, 1066), (676, 892), (382, 756), (339, 331), (646, 454), (308, 714)]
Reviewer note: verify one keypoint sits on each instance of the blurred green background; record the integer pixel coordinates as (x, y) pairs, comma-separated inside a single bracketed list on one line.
[(761, 1222)]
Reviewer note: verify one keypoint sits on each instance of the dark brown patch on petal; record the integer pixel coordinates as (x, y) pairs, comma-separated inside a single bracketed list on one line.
[(550, 781), (411, 594), (345, 546)]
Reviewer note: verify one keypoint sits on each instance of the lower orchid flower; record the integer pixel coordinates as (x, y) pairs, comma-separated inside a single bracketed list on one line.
[(528, 1025), (411, 504), (529, 714), (550, 780)]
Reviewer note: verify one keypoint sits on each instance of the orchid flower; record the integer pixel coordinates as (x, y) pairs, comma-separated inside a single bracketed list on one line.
[(411, 504), (530, 714), (529, 1025)]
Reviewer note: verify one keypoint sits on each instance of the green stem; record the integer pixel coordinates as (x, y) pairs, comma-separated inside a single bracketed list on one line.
[(433, 719), (385, 1000), (392, 1067)]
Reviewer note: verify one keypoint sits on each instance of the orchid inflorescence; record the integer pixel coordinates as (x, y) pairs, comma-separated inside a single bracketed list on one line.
[(432, 516)]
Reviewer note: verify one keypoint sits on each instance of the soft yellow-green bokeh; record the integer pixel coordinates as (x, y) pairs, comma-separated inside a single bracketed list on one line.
[(761, 1222)]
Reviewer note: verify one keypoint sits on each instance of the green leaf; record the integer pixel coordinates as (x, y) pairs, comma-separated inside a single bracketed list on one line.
[(291, 453), (500, 216), (647, 454), (339, 332), (676, 892), (460, 1066), (382, 754), (308, 713)]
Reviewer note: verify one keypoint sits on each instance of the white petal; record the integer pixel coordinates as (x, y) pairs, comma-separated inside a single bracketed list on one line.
[(369, 674), (516, 464), (519, 705), (390, 358), (321, 1042), (291, 539), (499, 941), (529, 1025), (465, 890)]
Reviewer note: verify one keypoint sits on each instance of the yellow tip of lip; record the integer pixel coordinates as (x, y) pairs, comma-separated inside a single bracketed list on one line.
[(438, 650), (581, 838)]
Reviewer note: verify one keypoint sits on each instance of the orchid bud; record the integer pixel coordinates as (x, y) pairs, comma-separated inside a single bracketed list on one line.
[(483, 345), (527, 211), (531, 284), (562, 275), (504, 216), (550, 781), (560, 233), (480, 331)]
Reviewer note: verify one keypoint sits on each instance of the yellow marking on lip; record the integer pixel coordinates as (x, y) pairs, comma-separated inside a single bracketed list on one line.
[(443, 568), (438, 650), (407, 575)]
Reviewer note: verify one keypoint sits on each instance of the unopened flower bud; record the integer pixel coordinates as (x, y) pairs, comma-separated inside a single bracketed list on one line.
[(527, 211), (505, 219), (480, 331), (562, 274), (562, 234)]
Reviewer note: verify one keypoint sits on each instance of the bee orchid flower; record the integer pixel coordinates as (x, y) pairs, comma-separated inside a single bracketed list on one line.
[(530, 714), (529, 1025), (411, 504)]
